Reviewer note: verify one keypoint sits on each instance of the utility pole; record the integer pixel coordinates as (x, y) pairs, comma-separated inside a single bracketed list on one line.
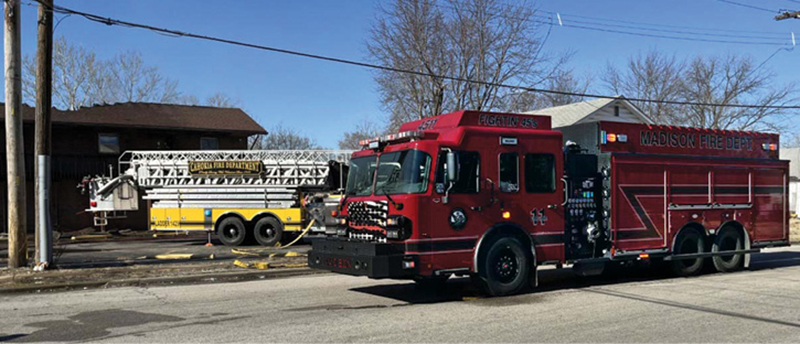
[(15, 158), (43, 145), (787, 15)]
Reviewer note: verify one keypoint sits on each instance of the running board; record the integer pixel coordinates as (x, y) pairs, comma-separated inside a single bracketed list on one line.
[(458, 271), (709, 254)]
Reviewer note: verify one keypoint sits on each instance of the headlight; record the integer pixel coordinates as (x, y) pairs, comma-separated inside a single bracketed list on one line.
[(398, 227)]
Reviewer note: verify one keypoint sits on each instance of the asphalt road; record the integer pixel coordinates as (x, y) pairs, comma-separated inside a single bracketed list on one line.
[(631, 305), (127, 251)]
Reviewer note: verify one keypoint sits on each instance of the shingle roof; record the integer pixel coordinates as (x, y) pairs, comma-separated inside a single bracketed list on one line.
[(569, 114), (155, 116), (566, 115)]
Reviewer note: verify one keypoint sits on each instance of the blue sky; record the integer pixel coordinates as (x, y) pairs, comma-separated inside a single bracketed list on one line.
[(323, 99)]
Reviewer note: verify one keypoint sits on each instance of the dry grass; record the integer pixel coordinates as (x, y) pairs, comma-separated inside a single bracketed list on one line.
[(794, 230)]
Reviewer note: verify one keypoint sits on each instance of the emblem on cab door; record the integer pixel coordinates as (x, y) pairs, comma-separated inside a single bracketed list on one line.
[(538, 217), (458, 218)]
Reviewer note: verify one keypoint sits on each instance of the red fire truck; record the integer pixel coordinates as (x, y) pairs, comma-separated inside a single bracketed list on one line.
[(494, 195)]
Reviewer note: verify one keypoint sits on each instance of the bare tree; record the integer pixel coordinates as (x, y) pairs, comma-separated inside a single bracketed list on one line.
[(480, 40), (493, 42), (82, 79), (363, 131), (136, 82), (220, 99), (188, 99), (654, 75), (280, 138), (563, 81), (733, 80), (726, 80), (74, 70), (411, 36)]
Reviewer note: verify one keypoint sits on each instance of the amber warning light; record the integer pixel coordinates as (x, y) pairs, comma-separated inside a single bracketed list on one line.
[(606, 138)]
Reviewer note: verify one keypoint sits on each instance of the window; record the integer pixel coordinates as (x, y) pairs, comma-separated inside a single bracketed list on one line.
[(467, 173), (402, 172), (108, 143), (209, 143), (509, 172), (361, 176), (616, 111), (540, 173)]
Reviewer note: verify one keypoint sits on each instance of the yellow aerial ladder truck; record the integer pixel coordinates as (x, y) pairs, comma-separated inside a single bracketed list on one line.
[(264, 195)]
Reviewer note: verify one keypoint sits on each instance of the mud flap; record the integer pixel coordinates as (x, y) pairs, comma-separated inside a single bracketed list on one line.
[(746, 264), (534, 277)]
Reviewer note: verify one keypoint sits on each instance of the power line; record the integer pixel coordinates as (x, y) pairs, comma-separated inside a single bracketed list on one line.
[(652, 35), (663, 30), (608, 28), (112, 22), (615, 21), (747, 6), (694, 28)]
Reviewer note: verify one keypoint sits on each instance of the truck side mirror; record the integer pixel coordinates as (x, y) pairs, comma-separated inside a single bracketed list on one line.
[(451, 166)]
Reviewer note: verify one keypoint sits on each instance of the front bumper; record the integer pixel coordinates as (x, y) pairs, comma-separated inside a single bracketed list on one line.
[(375, 260)]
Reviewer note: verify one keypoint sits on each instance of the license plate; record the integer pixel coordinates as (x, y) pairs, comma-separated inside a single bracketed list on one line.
[(339, 263)]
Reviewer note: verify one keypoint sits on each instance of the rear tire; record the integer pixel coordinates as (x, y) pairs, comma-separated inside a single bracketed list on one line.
[(728, 239), (505, 268), (268, 231), (688, 241), (231, 231)]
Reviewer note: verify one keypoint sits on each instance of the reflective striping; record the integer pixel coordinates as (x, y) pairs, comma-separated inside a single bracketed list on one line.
[(431, 246), (547, 239), (632, 192)]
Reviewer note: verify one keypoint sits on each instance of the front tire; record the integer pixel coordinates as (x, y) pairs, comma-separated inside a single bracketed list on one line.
[(688, 242), (505, 268), (268, 231), (728, 239), (231, 231)]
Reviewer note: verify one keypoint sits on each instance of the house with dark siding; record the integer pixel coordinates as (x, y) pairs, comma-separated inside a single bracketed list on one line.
[(89, 141)]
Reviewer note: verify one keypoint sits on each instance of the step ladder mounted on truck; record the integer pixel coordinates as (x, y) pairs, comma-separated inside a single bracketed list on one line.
[(248, 195)]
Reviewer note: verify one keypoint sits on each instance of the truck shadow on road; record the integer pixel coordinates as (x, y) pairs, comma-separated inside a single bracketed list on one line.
[(551, 279), (86, 326)]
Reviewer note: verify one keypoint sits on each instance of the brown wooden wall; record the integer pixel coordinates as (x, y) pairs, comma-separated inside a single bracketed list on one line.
[(76, 154)]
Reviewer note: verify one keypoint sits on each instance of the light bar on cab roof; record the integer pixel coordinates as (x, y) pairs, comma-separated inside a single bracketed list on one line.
[(413, 134)]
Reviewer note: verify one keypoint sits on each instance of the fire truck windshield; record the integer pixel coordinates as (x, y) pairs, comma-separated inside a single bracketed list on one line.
[(359, 178), (402, 172)]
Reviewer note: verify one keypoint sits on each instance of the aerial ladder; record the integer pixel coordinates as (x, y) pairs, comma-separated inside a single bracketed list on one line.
[(241, 195)]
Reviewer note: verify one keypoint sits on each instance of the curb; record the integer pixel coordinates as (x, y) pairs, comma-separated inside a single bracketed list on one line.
[(226, 277)]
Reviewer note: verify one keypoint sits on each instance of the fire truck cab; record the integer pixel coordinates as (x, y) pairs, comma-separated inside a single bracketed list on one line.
[(494, 195)]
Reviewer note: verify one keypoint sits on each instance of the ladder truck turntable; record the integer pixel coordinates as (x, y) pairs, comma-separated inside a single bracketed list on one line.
[(239, 194), (495, 195)]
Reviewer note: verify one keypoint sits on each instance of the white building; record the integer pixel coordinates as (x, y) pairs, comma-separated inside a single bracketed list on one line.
[(616, 109), (793, 155)]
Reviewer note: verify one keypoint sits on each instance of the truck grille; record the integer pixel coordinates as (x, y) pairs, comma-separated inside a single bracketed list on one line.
[(368, 213)]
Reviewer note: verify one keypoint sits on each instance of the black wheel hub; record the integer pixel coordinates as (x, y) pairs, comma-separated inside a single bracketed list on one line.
[(507, 266), (231, 232), (268, 232)]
